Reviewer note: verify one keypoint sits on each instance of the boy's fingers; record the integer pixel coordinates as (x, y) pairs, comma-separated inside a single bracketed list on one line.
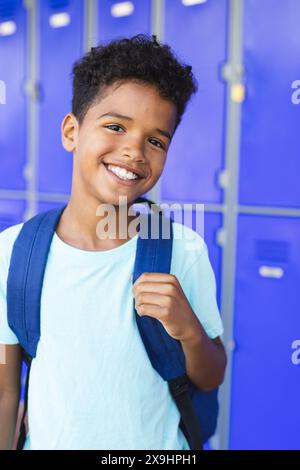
[(157, 277), (153, 299), (154, 287)]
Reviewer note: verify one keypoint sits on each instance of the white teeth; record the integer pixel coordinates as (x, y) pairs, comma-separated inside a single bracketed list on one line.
[(122, 173)]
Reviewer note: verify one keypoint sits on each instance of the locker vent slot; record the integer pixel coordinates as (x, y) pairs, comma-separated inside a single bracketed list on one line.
[(8, 9), (59, 4), (273, 251)]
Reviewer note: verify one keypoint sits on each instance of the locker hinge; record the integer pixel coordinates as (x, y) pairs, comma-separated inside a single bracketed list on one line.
[(221, 237), (237, 92), (233, 73), (223, 179), (33, 90), (28, 172)]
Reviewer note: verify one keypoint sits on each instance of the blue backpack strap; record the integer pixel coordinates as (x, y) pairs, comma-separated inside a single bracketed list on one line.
[(24, 287), (165, 353), (25, 277)]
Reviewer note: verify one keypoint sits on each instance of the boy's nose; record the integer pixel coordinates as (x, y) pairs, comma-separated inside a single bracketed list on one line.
[(135, 155)]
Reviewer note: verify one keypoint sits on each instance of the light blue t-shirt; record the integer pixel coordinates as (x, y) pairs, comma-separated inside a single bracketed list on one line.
[(92, 385)]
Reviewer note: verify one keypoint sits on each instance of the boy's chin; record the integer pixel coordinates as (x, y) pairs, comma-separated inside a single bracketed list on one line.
[(118, 200)]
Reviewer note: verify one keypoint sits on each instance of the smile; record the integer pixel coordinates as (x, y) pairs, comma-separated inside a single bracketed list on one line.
[(122, 176)]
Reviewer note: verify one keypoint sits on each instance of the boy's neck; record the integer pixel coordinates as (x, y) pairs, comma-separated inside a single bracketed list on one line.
[(80, 226)]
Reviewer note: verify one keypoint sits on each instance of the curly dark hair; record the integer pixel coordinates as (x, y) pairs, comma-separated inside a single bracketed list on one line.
[(140, 58)]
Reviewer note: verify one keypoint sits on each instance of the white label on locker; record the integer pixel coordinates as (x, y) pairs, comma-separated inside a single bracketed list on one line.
[(188, 3), (7, 28), (59, 20), (271, 271), (122, 9)]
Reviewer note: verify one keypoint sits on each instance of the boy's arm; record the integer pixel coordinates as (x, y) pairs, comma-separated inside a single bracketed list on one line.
[(205, 359), (10, 382)]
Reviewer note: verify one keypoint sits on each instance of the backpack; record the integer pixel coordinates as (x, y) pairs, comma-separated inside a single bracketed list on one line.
[(198, 409)]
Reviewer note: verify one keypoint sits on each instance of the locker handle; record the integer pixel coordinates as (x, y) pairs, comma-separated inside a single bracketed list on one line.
[(274, 272), (60, 20)]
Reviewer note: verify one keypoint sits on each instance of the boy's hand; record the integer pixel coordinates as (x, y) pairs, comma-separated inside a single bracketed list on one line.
[(160, 296)]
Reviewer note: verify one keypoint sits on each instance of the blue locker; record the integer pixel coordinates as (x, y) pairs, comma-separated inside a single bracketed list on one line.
[(123, 19), (61, 43), (44, 206), (270, 164), (196, 152), (12, 76), (265, 410), (11, 213)]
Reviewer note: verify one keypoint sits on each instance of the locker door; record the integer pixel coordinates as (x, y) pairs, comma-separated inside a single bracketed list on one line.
[(196, 151), (61, 43), (270, 164), (119, 18), (11, 213), (12, 99), (265, 383)]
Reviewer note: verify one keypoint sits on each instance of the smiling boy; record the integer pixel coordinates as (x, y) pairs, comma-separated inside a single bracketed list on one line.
[(91, 384)]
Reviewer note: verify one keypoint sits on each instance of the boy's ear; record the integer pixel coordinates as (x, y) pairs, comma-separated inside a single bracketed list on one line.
[(69, 129)]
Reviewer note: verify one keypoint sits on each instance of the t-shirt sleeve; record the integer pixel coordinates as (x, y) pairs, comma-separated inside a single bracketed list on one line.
[(199, 285), (7, 336)]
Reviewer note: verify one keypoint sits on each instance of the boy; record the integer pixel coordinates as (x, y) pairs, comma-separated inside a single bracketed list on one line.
[(91, 384)]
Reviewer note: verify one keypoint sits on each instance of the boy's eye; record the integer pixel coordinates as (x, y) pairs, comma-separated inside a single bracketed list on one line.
[(110, 126), (157, 142), (113, 125)]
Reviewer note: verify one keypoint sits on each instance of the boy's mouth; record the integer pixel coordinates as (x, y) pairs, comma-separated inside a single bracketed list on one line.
[(119, 179)]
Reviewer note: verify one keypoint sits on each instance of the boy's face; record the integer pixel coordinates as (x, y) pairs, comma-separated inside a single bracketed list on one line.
[(139, 141)]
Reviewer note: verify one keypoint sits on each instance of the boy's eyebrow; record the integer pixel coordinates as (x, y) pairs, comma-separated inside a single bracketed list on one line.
[(121, 116)]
